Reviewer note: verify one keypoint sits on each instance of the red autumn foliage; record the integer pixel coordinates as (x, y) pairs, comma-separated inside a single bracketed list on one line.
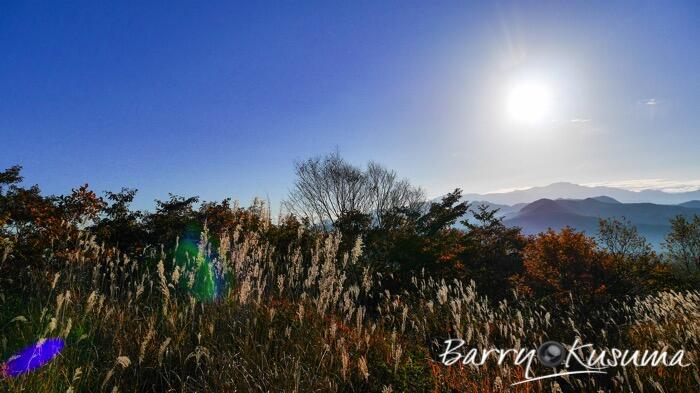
[(566, 262)]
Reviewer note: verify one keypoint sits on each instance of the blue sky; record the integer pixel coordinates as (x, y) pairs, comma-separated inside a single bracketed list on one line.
[(218, 99)]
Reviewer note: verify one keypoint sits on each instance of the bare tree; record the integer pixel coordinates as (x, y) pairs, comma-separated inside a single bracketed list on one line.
[(329, 187), (386, 191)]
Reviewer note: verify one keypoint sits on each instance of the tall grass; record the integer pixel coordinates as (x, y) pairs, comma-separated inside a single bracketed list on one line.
[(308, 319)]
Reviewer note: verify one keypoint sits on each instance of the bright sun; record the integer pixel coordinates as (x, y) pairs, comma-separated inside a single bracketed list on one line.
[(529, 103)]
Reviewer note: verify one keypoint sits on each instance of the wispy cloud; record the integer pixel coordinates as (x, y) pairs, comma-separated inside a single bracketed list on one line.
[(651, 184), (651, 102), (579, 120)]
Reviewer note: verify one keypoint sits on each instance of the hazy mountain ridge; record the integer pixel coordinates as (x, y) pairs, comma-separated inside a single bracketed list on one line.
[(693, 204), (567, 204), (564, 190), (652, 220)]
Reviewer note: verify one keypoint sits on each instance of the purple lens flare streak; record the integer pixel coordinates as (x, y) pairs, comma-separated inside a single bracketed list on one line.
[(32, 357)]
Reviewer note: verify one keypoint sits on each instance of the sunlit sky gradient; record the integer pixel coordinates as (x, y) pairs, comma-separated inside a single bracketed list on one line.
[(218, 99)]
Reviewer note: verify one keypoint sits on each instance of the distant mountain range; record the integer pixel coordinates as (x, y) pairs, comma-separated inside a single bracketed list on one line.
[(566, 204), (565, 190)]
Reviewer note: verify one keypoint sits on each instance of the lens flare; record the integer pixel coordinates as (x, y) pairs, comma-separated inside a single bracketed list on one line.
[(192, 255), (32, 357)]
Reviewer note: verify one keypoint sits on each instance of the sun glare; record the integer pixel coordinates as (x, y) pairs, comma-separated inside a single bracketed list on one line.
[(529, 103)]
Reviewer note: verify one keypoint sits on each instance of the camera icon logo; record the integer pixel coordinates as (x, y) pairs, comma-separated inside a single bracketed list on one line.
[(551, 354)]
